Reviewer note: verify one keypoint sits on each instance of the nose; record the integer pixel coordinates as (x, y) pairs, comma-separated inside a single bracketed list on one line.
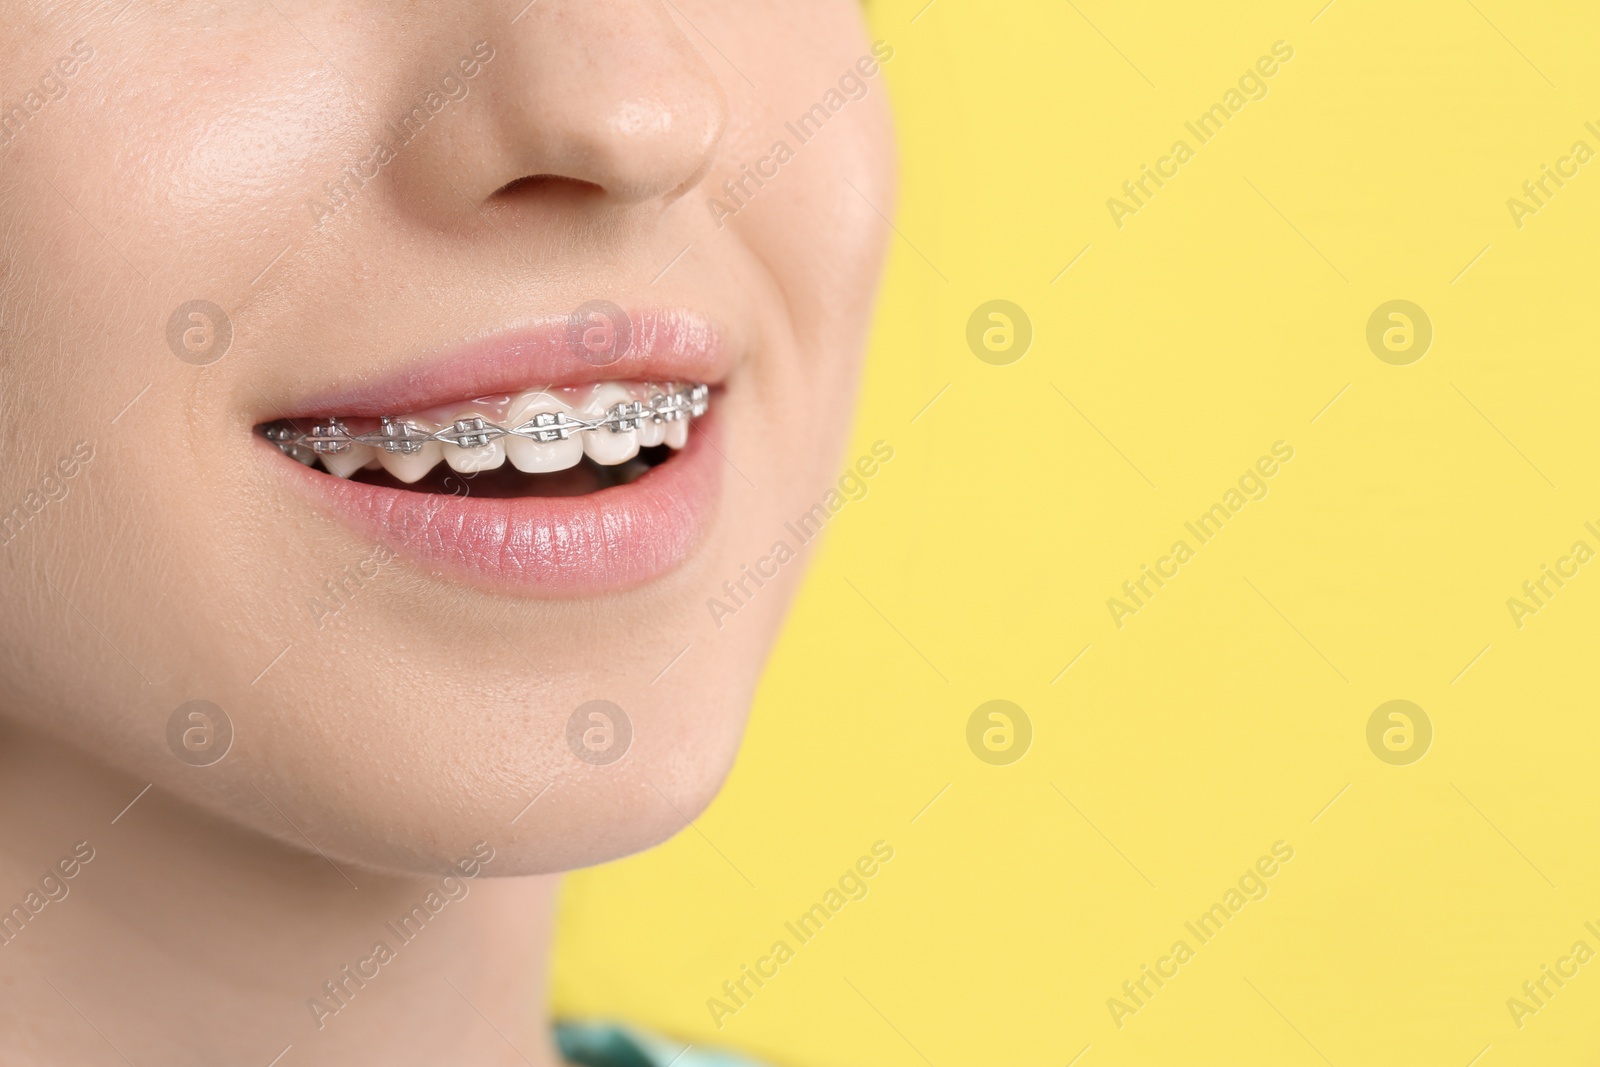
[(609, 96)]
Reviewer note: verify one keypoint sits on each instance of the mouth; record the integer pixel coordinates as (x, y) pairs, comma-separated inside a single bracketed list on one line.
[(560, 441), (587, 486)]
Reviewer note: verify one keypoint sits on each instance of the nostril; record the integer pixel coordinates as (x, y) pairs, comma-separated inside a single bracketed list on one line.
[(547, 185)]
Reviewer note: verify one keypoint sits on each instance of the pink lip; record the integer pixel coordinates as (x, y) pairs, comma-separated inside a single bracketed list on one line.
[(667, 345), (604, 541)]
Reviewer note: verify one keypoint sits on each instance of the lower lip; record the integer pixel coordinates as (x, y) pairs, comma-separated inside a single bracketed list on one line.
[(606, 541)]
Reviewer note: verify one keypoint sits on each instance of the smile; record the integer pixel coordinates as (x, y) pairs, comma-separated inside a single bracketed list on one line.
[(576, 488)]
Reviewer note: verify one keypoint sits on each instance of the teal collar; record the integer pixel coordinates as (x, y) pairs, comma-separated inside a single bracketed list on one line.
[(596, 1044)]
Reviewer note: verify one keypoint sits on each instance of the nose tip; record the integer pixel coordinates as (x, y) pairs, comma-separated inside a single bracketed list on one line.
[(646, 145), (613, 96)]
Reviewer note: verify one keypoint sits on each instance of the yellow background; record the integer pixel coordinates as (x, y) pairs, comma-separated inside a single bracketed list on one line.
[(1231, 710)]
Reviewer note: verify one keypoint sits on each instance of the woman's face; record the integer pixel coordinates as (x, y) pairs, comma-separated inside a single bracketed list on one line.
[(217, 216)]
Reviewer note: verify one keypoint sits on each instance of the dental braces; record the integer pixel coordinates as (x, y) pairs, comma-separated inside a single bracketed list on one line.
[(396, 435)]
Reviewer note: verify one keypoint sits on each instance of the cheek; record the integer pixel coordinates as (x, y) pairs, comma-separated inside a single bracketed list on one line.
[(260, 154), (821, 240), (822, 235), (819, 225), (216, 156), (212, 151)]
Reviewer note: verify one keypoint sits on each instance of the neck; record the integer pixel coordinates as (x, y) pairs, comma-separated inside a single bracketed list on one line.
[(182, 940)]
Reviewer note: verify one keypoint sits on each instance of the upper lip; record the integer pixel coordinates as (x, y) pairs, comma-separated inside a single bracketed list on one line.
[(668, 344)]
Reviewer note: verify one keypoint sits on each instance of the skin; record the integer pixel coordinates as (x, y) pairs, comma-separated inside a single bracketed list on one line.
[(423, 716)]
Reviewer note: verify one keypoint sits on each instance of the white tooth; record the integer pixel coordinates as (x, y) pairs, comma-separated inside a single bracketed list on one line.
[(678, 433), (344, 464), (414, 466), (602, 445), (471, 460), (651, 433), (540, 457)]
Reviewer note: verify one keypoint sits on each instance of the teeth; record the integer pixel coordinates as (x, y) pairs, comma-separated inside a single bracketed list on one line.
[(609, 424), (344, 464), (411, 466), (540, 457), (604, 446), (480, 458)]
